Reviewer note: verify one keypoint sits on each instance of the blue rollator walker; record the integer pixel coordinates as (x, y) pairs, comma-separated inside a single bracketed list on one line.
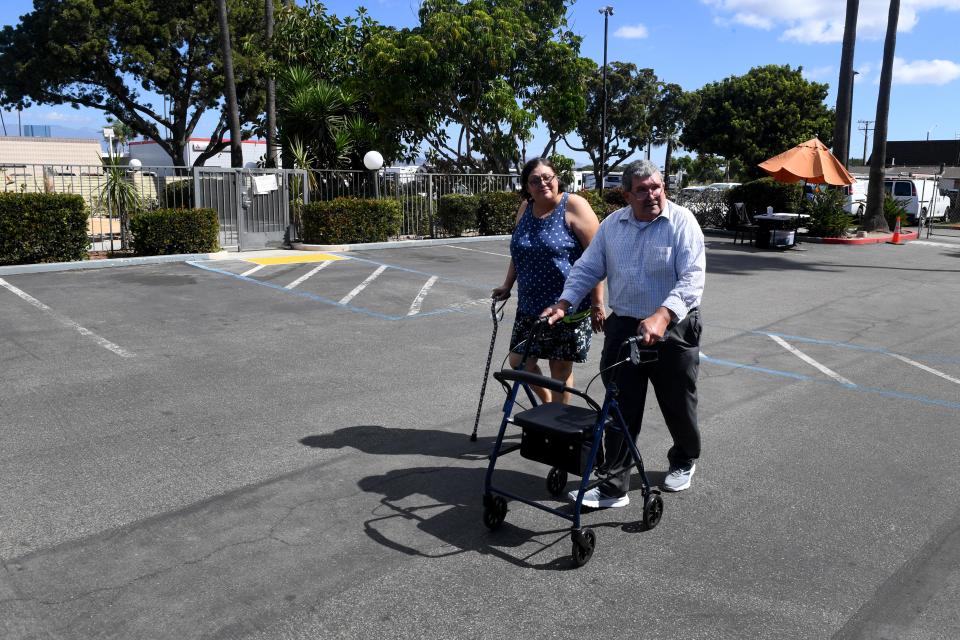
[(569, 439)]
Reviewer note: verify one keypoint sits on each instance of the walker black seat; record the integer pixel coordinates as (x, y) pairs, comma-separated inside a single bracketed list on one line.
[(558, 435)]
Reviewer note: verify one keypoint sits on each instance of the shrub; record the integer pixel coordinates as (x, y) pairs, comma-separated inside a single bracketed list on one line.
[(42, 227), (457, 213), (171, 231), (757, 195), (497, 212), (351, 220), (893, 209), (177, 194), (599, 205), (827, 217), (614, 198)]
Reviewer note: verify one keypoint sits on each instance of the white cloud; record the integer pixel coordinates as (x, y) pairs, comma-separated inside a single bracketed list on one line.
[(924, 71), (821, 73), (58, 116), (820, 21), (632, 32)]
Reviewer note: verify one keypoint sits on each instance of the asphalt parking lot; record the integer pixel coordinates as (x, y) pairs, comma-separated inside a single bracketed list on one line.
[(258, 448)]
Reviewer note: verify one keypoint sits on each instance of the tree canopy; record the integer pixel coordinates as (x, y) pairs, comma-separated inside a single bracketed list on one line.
[(474, 77), (632, 96), (123, 57), (752, 117)]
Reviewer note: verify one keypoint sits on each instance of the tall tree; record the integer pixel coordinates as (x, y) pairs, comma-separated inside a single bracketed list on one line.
[(271, 88), (673, 108), (632, 94), (120, 57), (752, 117), (474, 77), (230, 87), (841, 130), (873, 219)]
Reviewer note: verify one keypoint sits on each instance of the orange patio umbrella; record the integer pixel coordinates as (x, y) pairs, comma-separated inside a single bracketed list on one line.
[(809, 161)]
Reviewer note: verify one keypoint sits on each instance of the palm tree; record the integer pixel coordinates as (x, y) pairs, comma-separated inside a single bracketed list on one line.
[(271, 91), (230, 87), (841, 130), (874, 220)]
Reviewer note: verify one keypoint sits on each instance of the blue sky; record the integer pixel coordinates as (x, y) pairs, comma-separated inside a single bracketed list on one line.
[(694, 42)]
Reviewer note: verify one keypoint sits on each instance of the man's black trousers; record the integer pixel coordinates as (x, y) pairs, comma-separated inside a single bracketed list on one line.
[(674, 379)]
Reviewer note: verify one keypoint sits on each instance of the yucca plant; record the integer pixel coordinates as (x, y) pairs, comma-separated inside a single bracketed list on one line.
[(120, 196)]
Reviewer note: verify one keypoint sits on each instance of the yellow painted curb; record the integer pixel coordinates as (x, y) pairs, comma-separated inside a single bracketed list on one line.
[(316, 257)]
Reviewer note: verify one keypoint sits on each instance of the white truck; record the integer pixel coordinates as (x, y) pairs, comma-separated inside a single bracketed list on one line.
[(920, 195)]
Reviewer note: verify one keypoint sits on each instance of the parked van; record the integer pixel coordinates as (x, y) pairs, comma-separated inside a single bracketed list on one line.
[(855, 201), (918, 194)]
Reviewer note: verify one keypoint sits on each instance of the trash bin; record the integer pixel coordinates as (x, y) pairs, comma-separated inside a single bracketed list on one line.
[(774, 232)]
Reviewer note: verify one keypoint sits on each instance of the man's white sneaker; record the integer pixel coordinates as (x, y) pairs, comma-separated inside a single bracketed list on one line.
[(596, 499), (679, 477)]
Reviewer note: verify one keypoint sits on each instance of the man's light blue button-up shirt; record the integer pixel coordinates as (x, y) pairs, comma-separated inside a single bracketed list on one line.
[(647, 265)]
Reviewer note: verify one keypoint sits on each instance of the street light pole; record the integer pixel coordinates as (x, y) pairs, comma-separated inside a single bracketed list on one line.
[(846, 153), (607, 11)]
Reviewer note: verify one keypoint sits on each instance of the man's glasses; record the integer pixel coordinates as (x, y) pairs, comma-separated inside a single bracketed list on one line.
[(643, 193), (541, 179)]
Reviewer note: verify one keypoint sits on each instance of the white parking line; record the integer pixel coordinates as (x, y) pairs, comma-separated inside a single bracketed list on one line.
[(418, 301), (363, 285), (813, 363), (254, 270), (307, 275), (103, 342), (925, 368), (934, 244), (453, 246)]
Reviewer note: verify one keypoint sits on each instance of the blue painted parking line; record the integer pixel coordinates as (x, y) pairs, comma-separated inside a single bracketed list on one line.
[(806, 378), (856, 347)]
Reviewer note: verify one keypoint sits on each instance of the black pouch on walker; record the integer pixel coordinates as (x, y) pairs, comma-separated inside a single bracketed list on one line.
[(558, 435)]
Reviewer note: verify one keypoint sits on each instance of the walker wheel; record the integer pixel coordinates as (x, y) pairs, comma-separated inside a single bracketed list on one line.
[(652, 511), (494, 511), (584, 542), (556, 482)]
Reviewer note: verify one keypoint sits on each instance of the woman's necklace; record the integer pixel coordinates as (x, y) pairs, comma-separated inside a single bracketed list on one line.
[(541, 214)]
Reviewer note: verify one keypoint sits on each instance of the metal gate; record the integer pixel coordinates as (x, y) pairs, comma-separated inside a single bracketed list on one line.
[(253, 205)]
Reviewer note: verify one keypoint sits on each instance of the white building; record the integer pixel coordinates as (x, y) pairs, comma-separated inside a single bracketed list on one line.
[(151, 154)]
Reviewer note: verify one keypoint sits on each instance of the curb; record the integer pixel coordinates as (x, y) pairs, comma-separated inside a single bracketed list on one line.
[(230, 255), (110, 262), (904, 235), (393, 244)]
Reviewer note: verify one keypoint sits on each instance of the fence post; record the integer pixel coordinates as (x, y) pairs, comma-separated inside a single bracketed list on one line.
[(433, 233)]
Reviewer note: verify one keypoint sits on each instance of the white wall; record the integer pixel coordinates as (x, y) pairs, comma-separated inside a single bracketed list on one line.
[(151, 154)]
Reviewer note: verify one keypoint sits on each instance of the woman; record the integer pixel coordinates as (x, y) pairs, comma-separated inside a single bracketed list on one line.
[(552, 230)]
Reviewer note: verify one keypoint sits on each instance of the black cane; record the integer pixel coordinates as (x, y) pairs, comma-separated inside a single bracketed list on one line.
[(486, 370)]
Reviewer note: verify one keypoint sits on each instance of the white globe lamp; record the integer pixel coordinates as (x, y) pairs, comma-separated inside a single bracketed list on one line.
[(373, 160), (135, 164)]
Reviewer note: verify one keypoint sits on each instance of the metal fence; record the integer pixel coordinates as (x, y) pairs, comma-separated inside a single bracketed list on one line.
[(253, 205), (418, 193)]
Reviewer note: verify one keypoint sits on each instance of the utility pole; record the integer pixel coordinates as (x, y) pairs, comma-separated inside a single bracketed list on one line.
[(607, 11), (866, 126)]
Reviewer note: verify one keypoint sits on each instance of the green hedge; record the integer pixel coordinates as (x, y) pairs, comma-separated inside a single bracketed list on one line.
[(350, 220), (177, 195), (497, 212), (171, 231), (827, 217), (766, 192), (458, 213), (599, 204), (42, 227)]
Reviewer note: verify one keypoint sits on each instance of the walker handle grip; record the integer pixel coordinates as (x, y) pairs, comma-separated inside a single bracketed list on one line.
[(529, 378)]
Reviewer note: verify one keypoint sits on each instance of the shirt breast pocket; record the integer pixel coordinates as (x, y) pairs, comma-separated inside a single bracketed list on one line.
[(658, 260)]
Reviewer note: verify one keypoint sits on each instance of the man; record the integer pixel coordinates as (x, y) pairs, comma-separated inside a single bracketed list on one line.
[(651, 252)]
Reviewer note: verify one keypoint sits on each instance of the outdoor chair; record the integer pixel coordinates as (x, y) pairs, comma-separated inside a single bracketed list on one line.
[(745, 228)]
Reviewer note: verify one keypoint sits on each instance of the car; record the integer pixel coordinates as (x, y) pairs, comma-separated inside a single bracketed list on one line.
[(723, 186), (691, 192), (855, 201)]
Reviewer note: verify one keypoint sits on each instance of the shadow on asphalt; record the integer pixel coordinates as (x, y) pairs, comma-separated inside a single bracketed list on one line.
[(453, 510)]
